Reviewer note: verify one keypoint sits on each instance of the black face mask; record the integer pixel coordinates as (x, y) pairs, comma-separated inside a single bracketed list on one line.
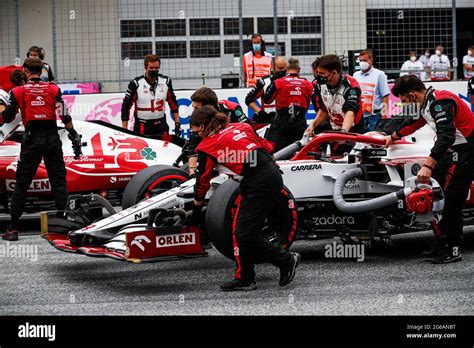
[(322, 80), (279, 74), (153, 74)]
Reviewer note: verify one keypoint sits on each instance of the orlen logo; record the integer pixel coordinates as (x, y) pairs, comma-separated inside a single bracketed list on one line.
[(138, 241), (41, 185), (38, 102), (167, 241), (331, 220), (297, 91)]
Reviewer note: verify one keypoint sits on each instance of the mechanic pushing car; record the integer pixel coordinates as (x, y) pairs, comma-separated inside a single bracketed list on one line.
[(292, 95), (149, 93), (451, 161), (236, 150), (37, 102), (206, 96), (337, 97)]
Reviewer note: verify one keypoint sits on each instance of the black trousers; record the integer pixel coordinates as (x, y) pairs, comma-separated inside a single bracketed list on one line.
[(35, 147), (151, 127), (258, 192), (454, 172), (284, 133)]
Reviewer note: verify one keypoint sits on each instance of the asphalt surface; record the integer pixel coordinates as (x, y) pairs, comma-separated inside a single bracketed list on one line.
[(393, 281)]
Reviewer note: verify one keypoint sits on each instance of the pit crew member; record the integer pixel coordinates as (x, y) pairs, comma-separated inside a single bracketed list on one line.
[(260, 183), (206, 96), (451, 161), (149, 93), (337, 97), (292, 95), (37, 102)]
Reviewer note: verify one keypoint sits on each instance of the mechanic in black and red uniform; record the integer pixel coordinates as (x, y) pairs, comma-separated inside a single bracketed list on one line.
[(337, 97), (292, 94), (265, 113), (260, 184), (149, 93), (206, 96), (451, 160), (38, 102), (325, 126)]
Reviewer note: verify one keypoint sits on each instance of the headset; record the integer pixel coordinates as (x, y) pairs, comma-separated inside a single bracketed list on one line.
[(40, 50)]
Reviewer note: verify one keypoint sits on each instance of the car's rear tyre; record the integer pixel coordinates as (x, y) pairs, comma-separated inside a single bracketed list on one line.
[(280, 227), (150, 182)]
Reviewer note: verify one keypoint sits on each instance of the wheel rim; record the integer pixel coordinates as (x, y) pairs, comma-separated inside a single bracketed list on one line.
[(163, 184)]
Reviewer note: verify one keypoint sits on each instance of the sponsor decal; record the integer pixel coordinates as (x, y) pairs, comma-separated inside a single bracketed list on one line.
[(39, 101), (82, 159), (13, 166), (41, 185), (333, 220), (138, 241), (167, 241), (415, 168), (306, 167), (148, 153), (113, 180), (351, 185), (438, 108)]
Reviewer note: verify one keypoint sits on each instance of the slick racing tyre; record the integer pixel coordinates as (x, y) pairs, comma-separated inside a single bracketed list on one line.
[(150, 182), (280, 226)]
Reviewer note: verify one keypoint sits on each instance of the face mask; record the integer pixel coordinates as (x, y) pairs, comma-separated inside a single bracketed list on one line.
[(413, 59), (364, 65), (256, 47), (279, 74), (438, 52), (153, 74), (323, 80)]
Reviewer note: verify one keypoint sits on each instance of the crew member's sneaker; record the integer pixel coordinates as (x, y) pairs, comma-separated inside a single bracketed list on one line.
[(238, 285), (434, 249), (287, 273), (10, 235), (448, 255)]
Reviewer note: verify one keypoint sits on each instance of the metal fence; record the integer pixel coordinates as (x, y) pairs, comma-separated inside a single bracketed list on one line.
[(200, 41)]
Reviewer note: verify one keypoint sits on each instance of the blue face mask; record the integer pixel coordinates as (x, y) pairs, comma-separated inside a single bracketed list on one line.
[(256, 47)]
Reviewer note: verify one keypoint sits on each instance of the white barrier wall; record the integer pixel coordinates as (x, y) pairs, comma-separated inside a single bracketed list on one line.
[(107, 106)]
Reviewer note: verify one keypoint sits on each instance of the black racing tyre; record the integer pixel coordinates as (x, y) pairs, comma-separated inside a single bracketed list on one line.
[(280, 227), (150, 182)]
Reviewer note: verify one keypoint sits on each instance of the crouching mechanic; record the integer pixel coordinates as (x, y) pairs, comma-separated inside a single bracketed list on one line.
[(206, 96), (260, 183), (37, 102), (149, 93), (451, 161)]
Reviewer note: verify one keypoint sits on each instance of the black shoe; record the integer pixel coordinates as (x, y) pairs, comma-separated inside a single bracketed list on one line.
[(238, 285), (287, 273), (10, 235), (448, 255), (434, 249)]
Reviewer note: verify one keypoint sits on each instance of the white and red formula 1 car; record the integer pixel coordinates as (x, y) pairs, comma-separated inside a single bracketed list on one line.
[(369, 193), (110, 159)]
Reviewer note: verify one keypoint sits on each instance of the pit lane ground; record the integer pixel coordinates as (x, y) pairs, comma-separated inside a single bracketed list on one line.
[(395, 281)]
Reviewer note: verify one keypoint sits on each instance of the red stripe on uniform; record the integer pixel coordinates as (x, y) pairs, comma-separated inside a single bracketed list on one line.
[(238, 274), (449, 175)]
